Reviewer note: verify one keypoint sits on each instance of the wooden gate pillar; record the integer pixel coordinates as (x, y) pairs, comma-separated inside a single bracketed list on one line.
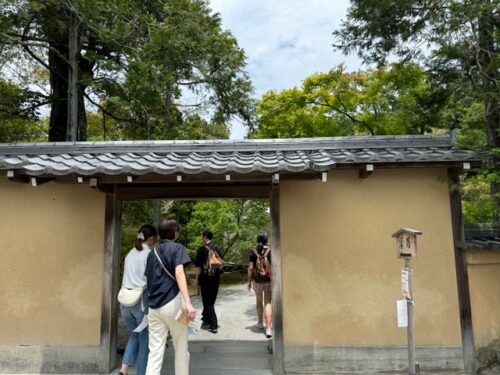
[(277, 304), (109, 304)]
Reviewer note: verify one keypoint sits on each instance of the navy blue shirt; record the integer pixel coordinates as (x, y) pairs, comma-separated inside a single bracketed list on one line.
[(161, 287)]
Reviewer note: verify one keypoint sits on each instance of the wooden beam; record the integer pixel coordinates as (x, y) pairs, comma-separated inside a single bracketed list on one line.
[(464, 303), (21, 178), (126, 192), (37, 181), (110, 285), (366, 171), (196, 178), (277, 282)]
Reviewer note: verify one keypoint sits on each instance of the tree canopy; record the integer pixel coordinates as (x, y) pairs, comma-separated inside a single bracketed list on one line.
[(457, 42), (396, 100), (146, 64)]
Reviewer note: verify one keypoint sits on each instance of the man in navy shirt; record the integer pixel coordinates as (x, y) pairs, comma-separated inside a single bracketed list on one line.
[(168, 294)]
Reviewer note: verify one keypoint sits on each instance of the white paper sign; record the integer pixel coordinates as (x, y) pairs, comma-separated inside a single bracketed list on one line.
[(405, 283), (402, 309)]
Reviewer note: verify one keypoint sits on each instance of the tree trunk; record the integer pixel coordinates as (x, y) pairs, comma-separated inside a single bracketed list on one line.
[(59, 84), (72, 133), (82, 115), (490, 76), (493, 133)]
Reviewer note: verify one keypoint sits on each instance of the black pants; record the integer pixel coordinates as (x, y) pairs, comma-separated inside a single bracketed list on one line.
[(209, 286)]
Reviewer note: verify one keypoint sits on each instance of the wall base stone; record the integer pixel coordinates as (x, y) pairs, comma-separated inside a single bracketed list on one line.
[(49, 359), (370, 360)]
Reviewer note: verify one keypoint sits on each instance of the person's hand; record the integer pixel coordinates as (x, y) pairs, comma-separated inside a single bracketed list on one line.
[(191, 311), (249, 286)]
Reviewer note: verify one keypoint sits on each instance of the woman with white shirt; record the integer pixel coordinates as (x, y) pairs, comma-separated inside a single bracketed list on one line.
[(136, 352)]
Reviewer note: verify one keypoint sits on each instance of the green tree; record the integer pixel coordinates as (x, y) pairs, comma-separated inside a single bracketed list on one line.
[(457, 40), (397, 100), (19, 120), (235, 224), (152, 62)]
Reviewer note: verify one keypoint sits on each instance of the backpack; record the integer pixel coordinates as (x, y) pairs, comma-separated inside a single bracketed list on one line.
[(262, 269), (214, 266)]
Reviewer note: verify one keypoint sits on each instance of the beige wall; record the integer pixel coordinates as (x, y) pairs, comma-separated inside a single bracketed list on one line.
[(484, 285), (341, 277), (52, 263)]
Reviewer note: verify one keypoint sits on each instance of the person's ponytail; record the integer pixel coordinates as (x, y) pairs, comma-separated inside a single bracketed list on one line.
[(145, 232)]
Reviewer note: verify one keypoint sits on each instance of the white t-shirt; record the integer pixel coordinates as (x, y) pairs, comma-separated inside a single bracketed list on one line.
[(134, 267)]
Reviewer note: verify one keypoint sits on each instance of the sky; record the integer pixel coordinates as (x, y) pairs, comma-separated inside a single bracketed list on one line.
[(285, 41)]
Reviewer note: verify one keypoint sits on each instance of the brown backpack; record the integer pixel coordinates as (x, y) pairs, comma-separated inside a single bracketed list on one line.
[(214, 264), (262, 269)]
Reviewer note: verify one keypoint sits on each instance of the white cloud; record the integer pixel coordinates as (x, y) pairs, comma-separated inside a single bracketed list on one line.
[(284, 40)]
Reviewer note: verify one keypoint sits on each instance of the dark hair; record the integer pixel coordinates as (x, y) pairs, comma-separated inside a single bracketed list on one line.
[(146, 231), (167, 229), (261, 241), (208, 234)]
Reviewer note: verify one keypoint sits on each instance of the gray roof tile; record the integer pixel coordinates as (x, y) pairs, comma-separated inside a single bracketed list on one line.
[(226, 156)]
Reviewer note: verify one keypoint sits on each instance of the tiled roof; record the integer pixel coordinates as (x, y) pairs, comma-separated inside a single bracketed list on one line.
[(482, 237), (225, 156)]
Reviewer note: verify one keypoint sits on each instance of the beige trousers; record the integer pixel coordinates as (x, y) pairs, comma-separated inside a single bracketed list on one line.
[(161, 321)]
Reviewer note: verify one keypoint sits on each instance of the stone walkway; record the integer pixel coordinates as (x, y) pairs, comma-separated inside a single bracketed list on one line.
[(237, 316)]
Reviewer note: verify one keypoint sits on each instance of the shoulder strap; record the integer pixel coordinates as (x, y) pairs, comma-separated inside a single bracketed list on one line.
[(268, 249), (165, 268), (255, 252)]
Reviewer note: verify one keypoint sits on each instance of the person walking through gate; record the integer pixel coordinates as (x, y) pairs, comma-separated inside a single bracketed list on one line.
[(208, 280), (259, 278), (167, 295), (136, 351)]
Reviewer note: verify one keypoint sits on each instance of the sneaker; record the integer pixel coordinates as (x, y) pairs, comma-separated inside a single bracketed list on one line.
[(205, 326), (269, 333), (213, 330)]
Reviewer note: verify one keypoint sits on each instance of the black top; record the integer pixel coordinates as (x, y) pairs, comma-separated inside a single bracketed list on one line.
[(161, 287), (202, 256)]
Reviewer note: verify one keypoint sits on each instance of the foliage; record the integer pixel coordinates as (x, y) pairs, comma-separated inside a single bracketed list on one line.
[(181, 211), (458, 42), (477, 206), (148, 65), (19, 120), (235, 224), (397, 100), (134, 215)]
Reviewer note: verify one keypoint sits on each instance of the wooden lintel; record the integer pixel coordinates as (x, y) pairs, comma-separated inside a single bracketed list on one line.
[(126, 192), (222, 179)]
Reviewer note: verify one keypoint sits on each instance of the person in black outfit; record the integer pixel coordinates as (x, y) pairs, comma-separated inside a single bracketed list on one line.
[(207, 284)]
